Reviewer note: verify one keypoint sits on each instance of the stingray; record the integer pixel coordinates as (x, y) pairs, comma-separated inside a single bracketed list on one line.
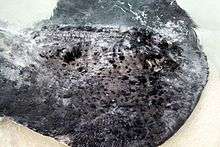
[(104, 73)]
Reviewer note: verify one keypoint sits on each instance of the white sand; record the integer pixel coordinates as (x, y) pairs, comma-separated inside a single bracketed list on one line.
[(203, 126), (24, 13), (14, 135)]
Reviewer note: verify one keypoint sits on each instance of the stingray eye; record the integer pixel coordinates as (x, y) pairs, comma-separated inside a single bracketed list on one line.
[(69, 55)]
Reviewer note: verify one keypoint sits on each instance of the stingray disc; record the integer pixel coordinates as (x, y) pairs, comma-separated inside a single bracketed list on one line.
[(104, 86)]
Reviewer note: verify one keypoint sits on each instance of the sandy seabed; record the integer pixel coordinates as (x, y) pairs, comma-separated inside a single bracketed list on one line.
[(200, 130)]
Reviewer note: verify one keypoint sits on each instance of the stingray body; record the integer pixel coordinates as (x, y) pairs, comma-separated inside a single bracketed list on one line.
[(105, 86)]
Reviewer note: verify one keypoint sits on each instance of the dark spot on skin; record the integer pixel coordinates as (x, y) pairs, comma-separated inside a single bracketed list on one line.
[(96, 53), (132, 90), (124, 78), (112, 61), (101, 69), (80, 69), (141, 79), (163, 44), (129, 70), (114, 66), (121, 57), (42, 55), (104, 49), (92, 105), (64, 65), (132, 82)]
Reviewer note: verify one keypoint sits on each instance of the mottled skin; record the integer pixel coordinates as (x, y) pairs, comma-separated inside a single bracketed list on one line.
[(105, 86)]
